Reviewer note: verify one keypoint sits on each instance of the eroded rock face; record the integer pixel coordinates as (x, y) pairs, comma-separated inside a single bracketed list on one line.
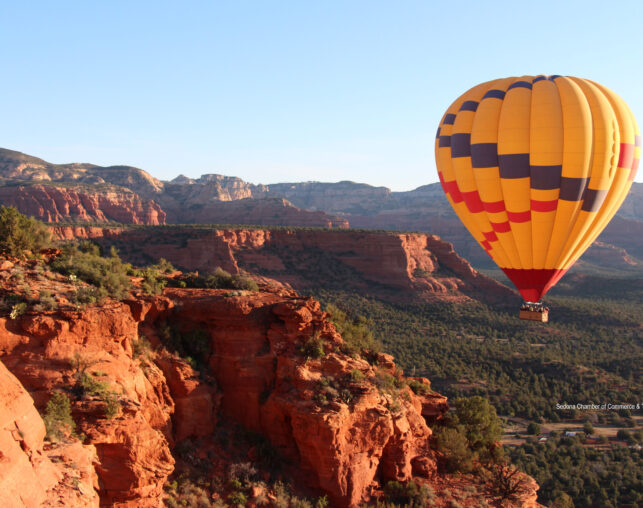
[(400, 266), (28, 476), (346, 431), (196, 403), (76, 204), (346, 446), (26, 473), (262, 382), (132, 448)]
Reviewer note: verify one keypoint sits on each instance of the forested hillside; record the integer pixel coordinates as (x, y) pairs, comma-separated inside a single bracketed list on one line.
[(590, 353)]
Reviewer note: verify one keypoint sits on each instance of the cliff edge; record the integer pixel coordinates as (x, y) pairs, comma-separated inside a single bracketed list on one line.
[(149, 374)]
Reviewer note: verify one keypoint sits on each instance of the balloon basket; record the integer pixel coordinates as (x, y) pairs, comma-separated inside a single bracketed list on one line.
[(534, 312)]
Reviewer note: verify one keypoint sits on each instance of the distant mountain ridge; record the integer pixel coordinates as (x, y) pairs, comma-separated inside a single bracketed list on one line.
[(22, 167), (136, 197)]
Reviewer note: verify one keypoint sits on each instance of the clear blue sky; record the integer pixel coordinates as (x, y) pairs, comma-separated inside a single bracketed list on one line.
[(275, 91)]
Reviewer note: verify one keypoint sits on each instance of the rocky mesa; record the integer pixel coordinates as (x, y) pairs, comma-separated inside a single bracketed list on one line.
[(397, 266)]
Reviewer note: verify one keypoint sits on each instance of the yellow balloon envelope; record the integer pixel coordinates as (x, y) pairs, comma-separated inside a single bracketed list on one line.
[(535, 167)]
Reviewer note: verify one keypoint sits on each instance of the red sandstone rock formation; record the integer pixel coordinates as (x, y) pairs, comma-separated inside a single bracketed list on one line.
[(26, 473), (222, 199), (132, 448), (394, 265), (78, 204), (346, 443), (606, 255), (28, 477), (343, 447)]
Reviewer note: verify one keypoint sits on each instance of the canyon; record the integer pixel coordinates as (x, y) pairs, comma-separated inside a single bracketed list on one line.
[(82, 192), (393, 266), (252, 372)]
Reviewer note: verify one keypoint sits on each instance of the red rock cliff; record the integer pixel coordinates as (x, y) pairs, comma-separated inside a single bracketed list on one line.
[(394, 265), (344, 446), (28, 474), (345, 434), (74, 204)]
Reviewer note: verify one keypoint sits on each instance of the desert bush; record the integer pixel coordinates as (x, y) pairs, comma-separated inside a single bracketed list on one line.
[(387, 383), (18, 275), (244, 472), (58, 419), (533, 429), (333, 389), (8, 301), (163, 266), (346, 395), (285, 499), (356, 332), (152, 283), (220, 279), (88, 296), (384, 381), (320, 398), (191, 345), (237, 499), (453, 444), (313, 347), (83, 261), (20, 234), (112, 404), (86, 384), (282, 495), (507, 483), (418, 387), (18, 310), (471, 432), (478, 420), (46, 301), (187, 493), (410, 494)]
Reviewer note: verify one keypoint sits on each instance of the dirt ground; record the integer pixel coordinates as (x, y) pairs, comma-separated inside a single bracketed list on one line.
[(515, 426)]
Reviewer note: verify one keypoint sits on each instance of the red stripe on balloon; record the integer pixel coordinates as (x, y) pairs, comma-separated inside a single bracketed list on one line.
[(519, 216), (490, 236), (544, 206), (486, 245), (626, 155), (501, 227), (452, 188), (494, 206), (472, 199)]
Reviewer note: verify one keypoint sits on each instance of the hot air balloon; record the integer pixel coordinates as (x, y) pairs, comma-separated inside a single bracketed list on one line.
[(535, 167)]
